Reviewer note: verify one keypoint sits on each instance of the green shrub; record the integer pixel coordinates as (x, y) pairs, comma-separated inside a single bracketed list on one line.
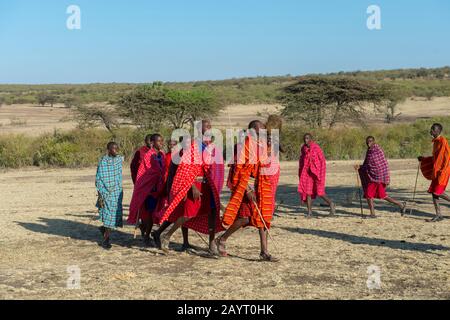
[(81, 148), (15, 151)]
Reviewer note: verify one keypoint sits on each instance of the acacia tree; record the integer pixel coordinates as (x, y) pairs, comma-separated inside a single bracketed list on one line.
[(151, 106), (392, 95), (94, 116), (320, 101), (43, 98)]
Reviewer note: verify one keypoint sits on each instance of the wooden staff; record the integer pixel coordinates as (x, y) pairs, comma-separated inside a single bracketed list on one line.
[(359, 192), (265, 225), (203, 239), (415, 189), (137, 224)]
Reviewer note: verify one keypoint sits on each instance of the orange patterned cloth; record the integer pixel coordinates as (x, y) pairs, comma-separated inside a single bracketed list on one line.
[(437, 167), (251, 162)]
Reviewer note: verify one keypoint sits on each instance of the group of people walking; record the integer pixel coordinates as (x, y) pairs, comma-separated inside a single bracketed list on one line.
[(186, 194)]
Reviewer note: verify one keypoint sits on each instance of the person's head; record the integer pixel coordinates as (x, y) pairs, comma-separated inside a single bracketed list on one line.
[(171, 144), (256, 125), (436, 130), (307, 138), (113, 148), (206, 131), (370, 141), (206, 125), (148, 140), (157, 141)]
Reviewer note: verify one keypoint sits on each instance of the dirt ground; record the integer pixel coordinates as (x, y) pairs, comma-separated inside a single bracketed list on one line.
[(32, 120), (46, 227)]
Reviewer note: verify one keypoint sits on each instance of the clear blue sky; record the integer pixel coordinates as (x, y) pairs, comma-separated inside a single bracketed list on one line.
[(182, 40)]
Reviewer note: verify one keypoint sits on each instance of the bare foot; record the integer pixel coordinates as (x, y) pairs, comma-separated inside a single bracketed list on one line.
[(221, 248), (332, 210), (164, 244), (213, 249)]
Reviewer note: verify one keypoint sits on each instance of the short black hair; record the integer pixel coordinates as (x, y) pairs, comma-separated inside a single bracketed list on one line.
[(155, 136), (152, 137), (370, 137), (111, 144), (437, 126), (252, 124), (307, 134)]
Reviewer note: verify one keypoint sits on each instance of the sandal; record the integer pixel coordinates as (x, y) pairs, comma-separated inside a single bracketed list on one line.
[(437, 219), (165, 244), (186, 247), (156, 239), (403, 209), (148, 242), (102, 230), (142, 228), (267, 257), (106, 244)]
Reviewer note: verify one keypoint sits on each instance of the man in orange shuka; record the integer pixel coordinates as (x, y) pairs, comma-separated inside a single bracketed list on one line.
[(437, 169), (251, 202)]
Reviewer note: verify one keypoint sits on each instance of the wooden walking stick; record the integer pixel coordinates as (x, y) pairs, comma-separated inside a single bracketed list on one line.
[(265, 226), (359, 192), (203, 239), (415, 189), (137, 224)]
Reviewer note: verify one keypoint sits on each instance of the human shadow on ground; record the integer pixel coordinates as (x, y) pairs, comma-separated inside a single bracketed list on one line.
[(377, 242), (76, 230), (89, 232)]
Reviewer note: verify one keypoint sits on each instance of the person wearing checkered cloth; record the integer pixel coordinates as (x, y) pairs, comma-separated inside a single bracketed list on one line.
[(108, 182), (375, 177)]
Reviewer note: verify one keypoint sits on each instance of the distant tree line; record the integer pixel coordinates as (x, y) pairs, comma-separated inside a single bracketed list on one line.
[(414, 82)]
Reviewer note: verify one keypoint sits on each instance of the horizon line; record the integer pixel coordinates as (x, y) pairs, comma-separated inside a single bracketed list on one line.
[(224, 79)]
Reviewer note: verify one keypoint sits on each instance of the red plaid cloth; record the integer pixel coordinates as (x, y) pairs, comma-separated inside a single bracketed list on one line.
[(149, 181), (312, 172), (375, 167), (214, 163), (194, 165), (135, 163)]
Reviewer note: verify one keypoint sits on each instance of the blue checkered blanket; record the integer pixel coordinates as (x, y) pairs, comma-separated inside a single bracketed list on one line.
[(108, 182)]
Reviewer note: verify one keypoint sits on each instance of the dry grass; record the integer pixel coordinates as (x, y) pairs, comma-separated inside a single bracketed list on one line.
[(32, 120), (46, 227)]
